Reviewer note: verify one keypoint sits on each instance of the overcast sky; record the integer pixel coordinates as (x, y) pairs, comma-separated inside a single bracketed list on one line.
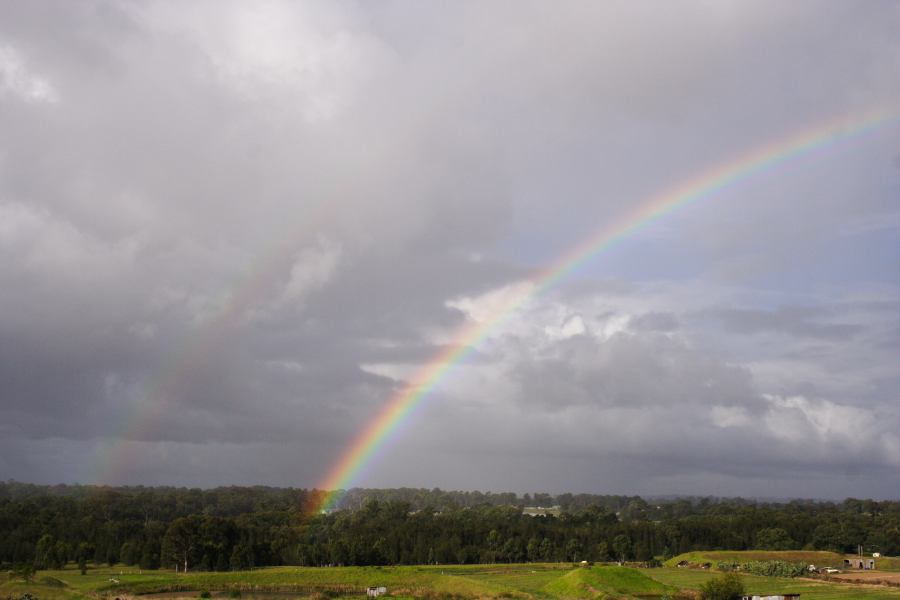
[(230, 231)]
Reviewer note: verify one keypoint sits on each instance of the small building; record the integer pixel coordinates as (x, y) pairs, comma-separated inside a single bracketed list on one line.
[(772, 597), (866, 564), (374, 592)]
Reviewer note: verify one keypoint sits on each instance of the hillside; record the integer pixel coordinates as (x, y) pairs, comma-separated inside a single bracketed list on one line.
[(813, 557)]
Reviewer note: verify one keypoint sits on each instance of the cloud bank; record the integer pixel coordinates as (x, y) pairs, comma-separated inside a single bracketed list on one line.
[(229, 234)]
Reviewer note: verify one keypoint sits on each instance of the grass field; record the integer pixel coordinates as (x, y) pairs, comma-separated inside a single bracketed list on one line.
[(818, 558), (813, 557), (808, 589), (538, 581)]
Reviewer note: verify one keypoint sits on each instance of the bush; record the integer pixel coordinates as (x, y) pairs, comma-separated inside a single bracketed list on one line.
[(774, 568), (52, 582), (205, 594), (727, 587), (24, 571)]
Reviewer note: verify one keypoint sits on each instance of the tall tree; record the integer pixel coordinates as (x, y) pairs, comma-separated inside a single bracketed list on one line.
[(179, 545)]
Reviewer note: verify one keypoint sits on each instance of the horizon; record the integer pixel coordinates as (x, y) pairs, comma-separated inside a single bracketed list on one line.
[(519, 495)]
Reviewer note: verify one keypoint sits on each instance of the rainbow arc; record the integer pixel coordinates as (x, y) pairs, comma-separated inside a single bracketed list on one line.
[(712, 181)]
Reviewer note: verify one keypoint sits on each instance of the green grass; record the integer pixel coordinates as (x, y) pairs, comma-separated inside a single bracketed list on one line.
[(529, 579), (537, 581), (888, 563), (605, 582), (809, 590), (820, 559)]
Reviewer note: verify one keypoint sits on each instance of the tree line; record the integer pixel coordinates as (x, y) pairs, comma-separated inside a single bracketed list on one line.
[(234, 528)]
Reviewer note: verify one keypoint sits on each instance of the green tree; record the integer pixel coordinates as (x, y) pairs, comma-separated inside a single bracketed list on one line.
[(727, 587), (130, 553), (774, 538), (546, 550), (81, 555), (24, 571), (179, 545), (112, 557), (622, 547), (573, 549), (222, 562), (44, 552), (642, 552), (241, 558), (533, 549), (149, 556), (60, 555)]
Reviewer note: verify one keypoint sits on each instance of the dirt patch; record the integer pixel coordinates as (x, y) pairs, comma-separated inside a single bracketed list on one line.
[(890, 578)]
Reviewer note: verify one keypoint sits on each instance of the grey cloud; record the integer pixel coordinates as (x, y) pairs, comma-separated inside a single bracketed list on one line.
[(631, 370), (227, 212), (655, 321), (788, 320)]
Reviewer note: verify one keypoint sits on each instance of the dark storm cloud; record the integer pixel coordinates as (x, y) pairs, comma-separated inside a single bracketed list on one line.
[(229, 233)]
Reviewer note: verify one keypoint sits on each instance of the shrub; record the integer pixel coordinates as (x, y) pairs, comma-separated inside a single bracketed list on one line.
[(774, 568), (727, 587), (53, 582)]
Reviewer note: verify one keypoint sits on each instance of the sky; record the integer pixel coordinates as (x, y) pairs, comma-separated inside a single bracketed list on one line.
[(231, 232)]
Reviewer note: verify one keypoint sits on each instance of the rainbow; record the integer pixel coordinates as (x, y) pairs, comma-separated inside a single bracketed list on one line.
[(707, 183), (193, 354)]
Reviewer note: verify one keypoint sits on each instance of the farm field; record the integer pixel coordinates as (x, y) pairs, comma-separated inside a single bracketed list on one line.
[(808, 588), (818, 558), (869, 576), (539, 581)]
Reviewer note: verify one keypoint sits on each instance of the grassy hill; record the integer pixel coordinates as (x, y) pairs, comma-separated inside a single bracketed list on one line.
[(606, 582), (818, 558)]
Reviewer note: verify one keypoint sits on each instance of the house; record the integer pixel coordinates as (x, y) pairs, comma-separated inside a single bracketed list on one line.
[(772, 597), (374, 592), (866, 564)]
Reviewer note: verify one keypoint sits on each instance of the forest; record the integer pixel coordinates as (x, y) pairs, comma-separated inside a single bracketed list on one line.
[(234, 528)]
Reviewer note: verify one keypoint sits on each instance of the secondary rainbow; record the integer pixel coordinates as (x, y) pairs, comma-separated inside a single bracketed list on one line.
[(193, 354), (362, 449)]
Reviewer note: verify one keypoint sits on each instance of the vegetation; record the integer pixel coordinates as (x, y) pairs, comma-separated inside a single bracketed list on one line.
[(536, 580), (727, 587), (234, 529), (612, 581), (767, 568), (692, 579), (726, 559)]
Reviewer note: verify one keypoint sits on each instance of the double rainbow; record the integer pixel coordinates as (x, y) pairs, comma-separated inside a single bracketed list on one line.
[(707, 183)]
